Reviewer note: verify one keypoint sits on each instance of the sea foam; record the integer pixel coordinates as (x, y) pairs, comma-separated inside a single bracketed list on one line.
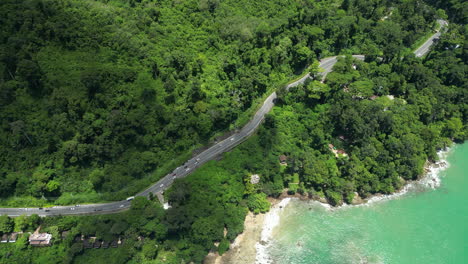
[(272, 219)]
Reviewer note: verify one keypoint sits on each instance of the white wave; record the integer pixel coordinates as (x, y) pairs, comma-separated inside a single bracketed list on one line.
[(272, 219)]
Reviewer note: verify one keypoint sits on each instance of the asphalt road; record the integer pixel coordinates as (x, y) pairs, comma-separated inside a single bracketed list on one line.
[(207, 155), (421, 51)]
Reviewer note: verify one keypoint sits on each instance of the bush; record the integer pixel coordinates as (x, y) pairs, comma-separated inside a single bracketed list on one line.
[(223, 246), (258, 203), (334, 198)]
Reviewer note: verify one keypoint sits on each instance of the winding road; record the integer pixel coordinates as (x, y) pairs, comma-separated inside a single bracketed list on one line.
[(207, 155)]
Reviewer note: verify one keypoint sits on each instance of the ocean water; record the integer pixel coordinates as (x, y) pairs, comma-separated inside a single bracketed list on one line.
[(423, 225)]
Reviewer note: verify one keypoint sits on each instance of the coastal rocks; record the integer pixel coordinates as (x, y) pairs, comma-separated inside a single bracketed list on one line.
[(318, 198), (357, 199)]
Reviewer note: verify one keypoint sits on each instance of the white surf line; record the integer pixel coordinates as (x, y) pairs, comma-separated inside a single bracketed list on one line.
[(272, 219)]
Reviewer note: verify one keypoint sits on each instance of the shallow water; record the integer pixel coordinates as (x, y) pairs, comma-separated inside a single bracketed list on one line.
[(424, 225)]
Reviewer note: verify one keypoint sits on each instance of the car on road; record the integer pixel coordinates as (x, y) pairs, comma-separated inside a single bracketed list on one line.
[(174, 177), (121, 206), (232, 138), (47, 210), (130, 198), (187, 169), (162, 185), (72, 208)]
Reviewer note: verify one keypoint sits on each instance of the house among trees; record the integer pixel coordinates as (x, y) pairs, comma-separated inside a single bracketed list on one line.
[(40, 239), (105, 244), (254, 179), (4, 238), (87, 244), (337, 152), (97, 244), (283, 159), (114, 243), (13, 237)]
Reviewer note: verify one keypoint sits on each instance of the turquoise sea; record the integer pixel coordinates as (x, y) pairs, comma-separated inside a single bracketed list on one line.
[(424, 225)]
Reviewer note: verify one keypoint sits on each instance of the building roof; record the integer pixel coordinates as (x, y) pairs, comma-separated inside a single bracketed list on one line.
[(13, 237), (4, 238), (254, 179), (105, 244), (40, 239), (283, 158), (86, 244), (97, 244)]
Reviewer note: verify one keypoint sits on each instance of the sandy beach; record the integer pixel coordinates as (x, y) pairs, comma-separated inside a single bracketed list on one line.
[(242, 250)]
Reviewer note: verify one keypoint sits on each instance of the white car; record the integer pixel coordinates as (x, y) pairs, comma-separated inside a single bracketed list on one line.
[(121, 206), (232, 138), (187, 169), (174, 177), (162, 185), (72, 208)]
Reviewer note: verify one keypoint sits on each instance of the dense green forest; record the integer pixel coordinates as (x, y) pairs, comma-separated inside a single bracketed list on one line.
[(96, 95)]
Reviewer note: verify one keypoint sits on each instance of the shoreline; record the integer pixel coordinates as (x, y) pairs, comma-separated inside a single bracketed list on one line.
[(268, 221)]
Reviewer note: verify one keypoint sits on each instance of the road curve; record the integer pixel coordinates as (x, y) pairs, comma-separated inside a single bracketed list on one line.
[(209, 154), (180, 172)]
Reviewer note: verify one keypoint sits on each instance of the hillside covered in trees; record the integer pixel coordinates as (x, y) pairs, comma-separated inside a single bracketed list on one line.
[(97, 95)]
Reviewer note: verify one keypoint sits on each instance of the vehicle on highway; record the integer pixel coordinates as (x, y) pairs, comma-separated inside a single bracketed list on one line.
[(47, 210), (130, 198), (232, 138), (72, 208), (121, 206), (77, 205), (174, 177), (187, 169), (40, 208), (162, 185)]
